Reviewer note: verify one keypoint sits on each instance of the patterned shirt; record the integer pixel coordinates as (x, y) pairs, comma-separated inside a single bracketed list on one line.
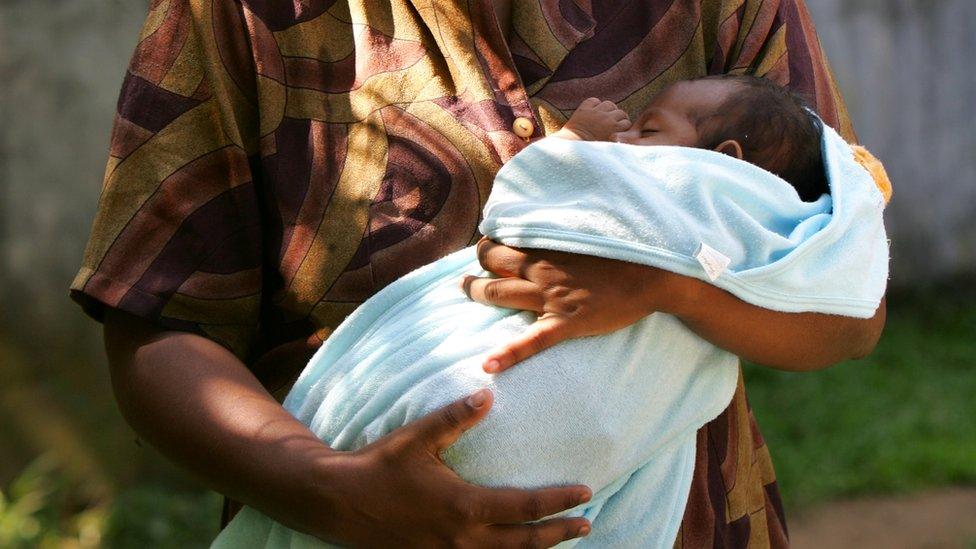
[(274, 164)]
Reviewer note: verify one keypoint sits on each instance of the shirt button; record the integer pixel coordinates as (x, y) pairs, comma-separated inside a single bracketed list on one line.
[(523, 127)]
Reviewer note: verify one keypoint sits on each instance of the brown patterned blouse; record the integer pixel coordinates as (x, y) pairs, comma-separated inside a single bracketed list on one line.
[(275, 163)]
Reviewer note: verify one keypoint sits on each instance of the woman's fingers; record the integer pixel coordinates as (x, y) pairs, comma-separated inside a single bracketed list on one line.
[(540, 534), (512, 293), (500, 259), (545, 332), (441, 428), (516, 506), (508, 262), (517, 293)]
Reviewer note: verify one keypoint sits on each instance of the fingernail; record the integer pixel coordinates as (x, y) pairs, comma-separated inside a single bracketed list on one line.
[(584, 497), (493, 366), (477, 400), (583, 531)]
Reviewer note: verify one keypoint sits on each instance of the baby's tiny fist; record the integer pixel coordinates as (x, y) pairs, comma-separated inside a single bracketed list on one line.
[(597, 120)]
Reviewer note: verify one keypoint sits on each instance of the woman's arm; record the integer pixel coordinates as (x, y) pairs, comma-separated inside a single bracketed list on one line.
[(786, 341), (200, 406), (579, 295)]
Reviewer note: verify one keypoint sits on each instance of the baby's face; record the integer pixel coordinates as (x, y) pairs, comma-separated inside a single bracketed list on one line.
[(669, 119)]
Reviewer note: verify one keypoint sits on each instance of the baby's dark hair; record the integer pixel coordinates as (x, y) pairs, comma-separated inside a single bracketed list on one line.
[(776, 130)]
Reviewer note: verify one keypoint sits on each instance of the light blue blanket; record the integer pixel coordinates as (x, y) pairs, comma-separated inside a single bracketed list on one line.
[(618, 412)]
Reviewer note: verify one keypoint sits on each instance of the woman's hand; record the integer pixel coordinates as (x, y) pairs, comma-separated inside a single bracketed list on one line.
[(578, 295), (575, 295), (397, 492)]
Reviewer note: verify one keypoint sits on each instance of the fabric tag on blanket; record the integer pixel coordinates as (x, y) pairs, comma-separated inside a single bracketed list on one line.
[(713, 261)]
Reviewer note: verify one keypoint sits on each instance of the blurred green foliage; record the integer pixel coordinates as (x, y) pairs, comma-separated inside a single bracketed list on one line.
[(44, 509), (157, 516), (41, 510), (898, 421)]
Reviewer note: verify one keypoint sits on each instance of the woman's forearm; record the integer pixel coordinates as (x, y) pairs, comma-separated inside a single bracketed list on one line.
[(201, 407), (578, 295), (786, 341)]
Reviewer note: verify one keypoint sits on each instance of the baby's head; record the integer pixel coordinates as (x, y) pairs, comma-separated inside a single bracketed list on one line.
[(747, 117)]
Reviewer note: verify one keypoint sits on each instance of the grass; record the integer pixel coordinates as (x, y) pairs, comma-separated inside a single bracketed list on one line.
[(898, 421)]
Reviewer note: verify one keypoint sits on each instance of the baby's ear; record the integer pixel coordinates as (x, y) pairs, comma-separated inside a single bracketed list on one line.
[(730, 147)]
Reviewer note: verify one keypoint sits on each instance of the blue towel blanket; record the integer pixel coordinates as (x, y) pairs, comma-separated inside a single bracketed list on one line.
[(617, 412)]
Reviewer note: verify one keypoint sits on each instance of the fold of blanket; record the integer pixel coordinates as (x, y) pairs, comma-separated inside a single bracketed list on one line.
[(617, 412)]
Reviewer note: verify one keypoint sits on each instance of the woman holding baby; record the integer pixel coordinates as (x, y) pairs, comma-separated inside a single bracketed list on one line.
[(275, 164)]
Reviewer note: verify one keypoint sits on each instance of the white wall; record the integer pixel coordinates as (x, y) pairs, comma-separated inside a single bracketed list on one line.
[(908, 72), (61, 67)]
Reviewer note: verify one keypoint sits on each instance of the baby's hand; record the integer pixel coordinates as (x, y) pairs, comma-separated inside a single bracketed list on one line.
[(595, 120)]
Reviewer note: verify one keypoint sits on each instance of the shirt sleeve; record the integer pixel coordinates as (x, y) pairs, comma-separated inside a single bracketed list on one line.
[(777, 40), (177, 236)]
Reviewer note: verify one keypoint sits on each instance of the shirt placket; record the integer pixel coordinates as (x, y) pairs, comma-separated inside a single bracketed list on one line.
[(507, 80)]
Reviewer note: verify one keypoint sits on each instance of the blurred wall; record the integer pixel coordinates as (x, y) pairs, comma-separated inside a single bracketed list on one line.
[(907, 71), (61, 68), (903, 64)]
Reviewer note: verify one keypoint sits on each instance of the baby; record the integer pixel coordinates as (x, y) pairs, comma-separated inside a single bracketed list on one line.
[(746, 117), (616, 412)]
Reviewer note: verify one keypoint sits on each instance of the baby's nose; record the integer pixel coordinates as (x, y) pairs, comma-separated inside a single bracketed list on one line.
[(625, 136)]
